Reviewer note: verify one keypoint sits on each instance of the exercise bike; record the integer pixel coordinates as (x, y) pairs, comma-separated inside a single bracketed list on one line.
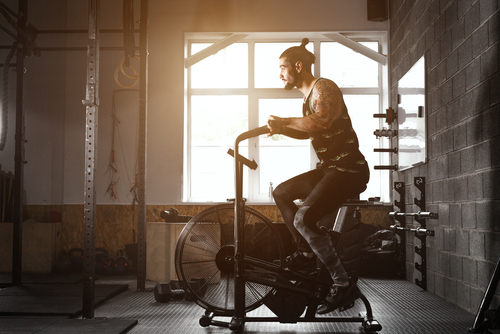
[(238, 255)]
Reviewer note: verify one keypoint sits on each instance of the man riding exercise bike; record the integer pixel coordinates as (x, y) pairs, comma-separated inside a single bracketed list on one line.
[(343, 172)]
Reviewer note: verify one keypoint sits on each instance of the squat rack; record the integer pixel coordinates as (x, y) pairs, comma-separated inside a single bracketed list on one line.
[(24, 46)]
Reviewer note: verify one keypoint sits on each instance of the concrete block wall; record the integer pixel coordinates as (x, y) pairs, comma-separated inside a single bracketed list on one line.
[(460, 42)]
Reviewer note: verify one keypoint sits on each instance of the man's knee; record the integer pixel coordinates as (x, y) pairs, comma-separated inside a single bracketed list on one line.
[(279, 192), (305, 221), (298, 222)]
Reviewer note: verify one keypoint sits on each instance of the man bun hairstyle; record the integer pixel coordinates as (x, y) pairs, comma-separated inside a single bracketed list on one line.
[(300, 53)]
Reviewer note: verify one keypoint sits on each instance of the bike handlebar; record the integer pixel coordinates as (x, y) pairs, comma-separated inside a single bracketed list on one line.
[(246, 135), (252, 133)]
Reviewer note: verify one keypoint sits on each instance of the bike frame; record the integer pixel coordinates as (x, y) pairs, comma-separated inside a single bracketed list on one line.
[(239, 316)]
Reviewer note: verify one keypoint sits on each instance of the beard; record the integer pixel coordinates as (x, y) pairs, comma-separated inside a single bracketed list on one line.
[(292, 84)]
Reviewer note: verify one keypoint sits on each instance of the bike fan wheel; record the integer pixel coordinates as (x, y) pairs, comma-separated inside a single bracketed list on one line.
[(205, 243)]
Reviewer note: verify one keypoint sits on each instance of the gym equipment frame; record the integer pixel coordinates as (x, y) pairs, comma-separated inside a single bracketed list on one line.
[(23, 47)]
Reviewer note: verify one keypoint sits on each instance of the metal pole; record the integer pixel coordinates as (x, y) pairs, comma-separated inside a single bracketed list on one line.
[(6, 30), (487, 298), (19, 162), (143, 116), (79, 48), (91, 104), (239, 243), (20, 15), (237, 321), (69, 48), (105, 31)]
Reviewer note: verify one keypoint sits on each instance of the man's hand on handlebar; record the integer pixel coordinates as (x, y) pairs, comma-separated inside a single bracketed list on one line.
[(275, 126), (279, 126)]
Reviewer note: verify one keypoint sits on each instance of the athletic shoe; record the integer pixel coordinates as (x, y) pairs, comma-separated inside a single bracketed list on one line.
[(339, 297)]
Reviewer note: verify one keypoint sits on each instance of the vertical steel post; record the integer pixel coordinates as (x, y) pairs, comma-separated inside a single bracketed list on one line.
[(487, 298), (91, 104), (143, 116), (19, 162), (237, 322)]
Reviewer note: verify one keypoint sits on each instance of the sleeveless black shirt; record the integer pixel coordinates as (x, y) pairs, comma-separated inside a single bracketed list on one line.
[(338, 146)]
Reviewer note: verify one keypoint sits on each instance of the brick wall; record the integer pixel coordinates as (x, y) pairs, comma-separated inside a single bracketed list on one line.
[(460, 42)]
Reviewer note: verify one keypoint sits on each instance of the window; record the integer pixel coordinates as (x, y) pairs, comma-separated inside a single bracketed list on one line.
[(411, 120), (238, 87)]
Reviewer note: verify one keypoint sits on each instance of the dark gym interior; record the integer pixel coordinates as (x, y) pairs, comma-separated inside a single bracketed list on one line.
[(105, 223)]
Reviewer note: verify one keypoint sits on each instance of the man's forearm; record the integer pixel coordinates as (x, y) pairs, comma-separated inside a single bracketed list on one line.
[(296, 134), (307, 124)]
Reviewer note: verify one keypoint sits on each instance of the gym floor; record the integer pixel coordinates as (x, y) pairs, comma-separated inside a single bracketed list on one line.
[(399, 306)]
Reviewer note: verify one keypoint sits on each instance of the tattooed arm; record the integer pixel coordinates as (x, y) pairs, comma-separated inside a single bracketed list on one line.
[(327, 103)]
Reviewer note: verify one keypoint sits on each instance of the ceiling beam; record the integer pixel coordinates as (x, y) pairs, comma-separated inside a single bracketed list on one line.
[(357, 47), (213, 49)]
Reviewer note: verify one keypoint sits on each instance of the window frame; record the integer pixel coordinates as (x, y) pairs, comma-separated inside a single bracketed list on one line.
[(254, 94)]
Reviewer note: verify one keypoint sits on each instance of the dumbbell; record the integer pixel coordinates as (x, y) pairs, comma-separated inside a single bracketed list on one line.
[(176, 289), (176, 286), (164, 292), (170, 215)]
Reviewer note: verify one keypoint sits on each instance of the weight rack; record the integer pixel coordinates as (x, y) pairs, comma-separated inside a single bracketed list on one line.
[(400, 188), (421, 232)]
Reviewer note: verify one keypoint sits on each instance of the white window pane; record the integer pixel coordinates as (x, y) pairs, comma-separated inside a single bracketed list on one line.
[(361, 109), (267, 71), (281, 163), (212, 174), (281, 157), (347, 67), (226, 69), (216, 121)]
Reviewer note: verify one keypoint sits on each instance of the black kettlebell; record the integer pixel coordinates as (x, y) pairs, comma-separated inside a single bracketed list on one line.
[(120, 264), (107, 267), (100, 256), (76, 258)]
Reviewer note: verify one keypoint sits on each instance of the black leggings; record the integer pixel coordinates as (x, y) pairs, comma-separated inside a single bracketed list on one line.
[(323, 191)]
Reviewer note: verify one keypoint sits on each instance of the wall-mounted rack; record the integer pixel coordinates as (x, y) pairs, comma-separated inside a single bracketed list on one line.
[(389, 116), (421, 232)]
